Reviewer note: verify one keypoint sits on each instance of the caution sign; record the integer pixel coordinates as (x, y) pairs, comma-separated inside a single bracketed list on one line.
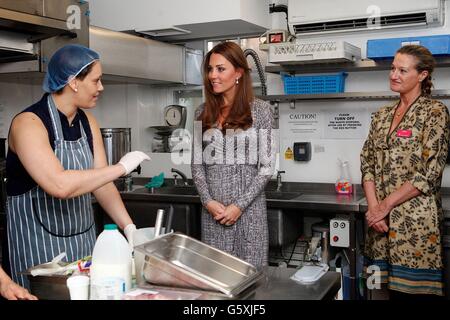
[(289, 155)]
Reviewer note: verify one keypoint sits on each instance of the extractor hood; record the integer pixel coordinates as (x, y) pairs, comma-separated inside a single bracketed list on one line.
[(26, 26), (32, 30), (128, 58), (180, 21)]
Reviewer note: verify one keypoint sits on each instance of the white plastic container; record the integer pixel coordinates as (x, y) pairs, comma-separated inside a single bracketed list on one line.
[(310, 274), (111, 265)]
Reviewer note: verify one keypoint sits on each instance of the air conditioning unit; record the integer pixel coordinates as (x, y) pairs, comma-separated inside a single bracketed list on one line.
[(328, 16)]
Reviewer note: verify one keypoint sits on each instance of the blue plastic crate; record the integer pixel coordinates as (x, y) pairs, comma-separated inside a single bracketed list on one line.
[(331, 83), (385, 48)]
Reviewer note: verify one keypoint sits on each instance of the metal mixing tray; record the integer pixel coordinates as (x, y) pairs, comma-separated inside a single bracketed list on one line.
[(177, 260)]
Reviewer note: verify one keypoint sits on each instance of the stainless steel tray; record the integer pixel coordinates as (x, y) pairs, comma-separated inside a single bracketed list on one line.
[(177, 260), (49, 287)]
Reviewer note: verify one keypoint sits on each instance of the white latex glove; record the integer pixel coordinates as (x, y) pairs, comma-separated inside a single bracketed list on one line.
[(132, 159), (129, 233)]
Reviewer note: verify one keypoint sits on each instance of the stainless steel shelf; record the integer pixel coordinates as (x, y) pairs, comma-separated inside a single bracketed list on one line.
[(39, 27), (380, 95), (362, 65)]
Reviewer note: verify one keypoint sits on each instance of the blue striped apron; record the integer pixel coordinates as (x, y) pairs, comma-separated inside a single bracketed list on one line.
[(41, 226)]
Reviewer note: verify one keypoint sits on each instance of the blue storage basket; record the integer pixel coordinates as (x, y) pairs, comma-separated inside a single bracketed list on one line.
[(331, 83)]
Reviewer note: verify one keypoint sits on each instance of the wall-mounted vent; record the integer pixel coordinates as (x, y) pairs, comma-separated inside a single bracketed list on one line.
[(164, 32), (347, 25), (328, 16)]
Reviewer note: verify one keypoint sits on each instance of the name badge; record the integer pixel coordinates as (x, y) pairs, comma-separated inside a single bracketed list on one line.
[(404, 133)]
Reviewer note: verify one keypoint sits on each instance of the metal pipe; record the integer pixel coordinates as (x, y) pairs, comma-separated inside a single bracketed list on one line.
[(158, 223)]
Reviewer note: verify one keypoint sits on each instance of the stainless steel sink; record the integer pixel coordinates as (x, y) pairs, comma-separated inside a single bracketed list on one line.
[(278, 195), (175, 190)]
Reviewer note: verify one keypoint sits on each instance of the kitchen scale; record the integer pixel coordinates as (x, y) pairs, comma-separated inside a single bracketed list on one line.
[(174, 118)]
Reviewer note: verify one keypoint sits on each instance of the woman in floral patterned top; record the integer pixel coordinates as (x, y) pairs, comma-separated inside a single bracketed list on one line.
[(402, 162)]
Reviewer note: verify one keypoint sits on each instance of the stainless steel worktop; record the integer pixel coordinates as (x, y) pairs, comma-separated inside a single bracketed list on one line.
[(279, 286), (306, 196), (275, 285)]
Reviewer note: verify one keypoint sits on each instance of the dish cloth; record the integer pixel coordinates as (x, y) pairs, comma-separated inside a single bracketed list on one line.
[(156, 182)]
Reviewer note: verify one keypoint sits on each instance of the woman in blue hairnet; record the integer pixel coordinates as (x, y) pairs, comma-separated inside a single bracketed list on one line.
[(56, 158)]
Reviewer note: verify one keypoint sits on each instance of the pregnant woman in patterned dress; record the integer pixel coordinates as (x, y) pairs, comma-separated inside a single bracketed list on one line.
[(234, 157)]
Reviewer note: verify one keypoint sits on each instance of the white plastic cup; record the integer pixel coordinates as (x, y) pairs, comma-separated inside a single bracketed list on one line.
[(78, 287)]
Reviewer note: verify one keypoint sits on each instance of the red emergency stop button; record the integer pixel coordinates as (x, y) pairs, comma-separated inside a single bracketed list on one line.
[(335, 238)]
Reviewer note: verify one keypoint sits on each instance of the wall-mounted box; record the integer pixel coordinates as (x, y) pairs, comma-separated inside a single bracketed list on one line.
[(302, 151), (181, 20), (439, 45)]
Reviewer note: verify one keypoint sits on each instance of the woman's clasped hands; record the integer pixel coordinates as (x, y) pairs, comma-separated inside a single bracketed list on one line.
[(376, 217), (227, 215)]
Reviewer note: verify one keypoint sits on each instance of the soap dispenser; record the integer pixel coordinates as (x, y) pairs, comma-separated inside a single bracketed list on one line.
[(343, 184)]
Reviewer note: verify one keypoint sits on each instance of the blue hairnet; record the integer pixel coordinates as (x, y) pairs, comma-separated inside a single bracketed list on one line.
[(65, 64)]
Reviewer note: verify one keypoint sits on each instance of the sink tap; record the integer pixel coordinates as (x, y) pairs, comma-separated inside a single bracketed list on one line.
[(181, 174), (279, 183)]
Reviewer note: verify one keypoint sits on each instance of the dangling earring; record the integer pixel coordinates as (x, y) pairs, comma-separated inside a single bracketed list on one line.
[(237, 81)]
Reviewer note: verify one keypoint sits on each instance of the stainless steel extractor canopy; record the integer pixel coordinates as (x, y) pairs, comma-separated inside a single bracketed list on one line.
[(34, 29)]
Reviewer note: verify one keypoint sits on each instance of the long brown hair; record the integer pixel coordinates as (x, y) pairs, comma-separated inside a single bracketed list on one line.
[(240, 115), (425, 62)]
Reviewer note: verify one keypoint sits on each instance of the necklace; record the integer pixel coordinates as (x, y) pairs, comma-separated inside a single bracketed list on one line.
[(400, 113)]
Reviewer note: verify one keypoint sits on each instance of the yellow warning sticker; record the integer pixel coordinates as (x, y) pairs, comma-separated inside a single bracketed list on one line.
[(288, 155)]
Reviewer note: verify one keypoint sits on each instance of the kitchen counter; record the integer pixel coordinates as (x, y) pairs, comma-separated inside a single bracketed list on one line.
[(306, 196), (275, 285), (278, 286)]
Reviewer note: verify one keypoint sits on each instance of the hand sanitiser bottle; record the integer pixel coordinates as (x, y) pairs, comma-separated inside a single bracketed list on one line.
[(343, 184), (110, 271)]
